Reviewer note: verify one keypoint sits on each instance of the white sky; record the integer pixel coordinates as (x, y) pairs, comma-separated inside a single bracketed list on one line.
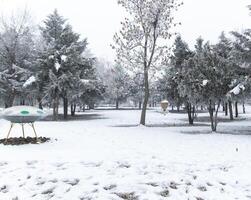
[(98, 20)]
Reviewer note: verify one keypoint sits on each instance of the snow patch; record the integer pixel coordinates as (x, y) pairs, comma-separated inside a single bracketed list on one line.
[(30, 80), (204, 82), (57, 66), (236, 90), (85, 80), (51, 57), (64, 58)]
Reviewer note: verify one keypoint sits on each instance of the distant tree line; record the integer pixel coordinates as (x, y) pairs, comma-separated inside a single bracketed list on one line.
[(209, 76), (206, 77)]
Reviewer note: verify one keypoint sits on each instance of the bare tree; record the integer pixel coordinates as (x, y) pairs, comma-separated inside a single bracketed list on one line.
[(141, 42)]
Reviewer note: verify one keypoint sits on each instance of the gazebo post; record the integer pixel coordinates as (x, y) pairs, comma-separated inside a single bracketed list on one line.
[(23, 130), (11, 126), (32, 125)]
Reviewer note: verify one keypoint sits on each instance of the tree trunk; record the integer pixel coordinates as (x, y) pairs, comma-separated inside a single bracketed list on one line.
[(146, 97), (243, 108), (9, 101), (213, 117), (140, 105), (40, 102), (172, 107), (55, 108), (83, 108), (216, 116), (117, 104), (236, 109), (226, 109), (91, 105), (211, 114), (73, 109), (65, 107), (22, 102), (189, 113), (230, 110), (178, 108)]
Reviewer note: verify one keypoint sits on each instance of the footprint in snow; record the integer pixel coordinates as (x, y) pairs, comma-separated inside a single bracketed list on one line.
[(202, 188), (53, 180), (31, 162), (3, 163), (91, 164), (48, 191), (110, 187), (4, 189), (72, 182), (152, 184)]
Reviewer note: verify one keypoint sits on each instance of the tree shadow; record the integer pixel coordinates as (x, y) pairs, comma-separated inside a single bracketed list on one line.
[(110, 108), (181, 111), (222, 130), (162, 125), (78, 117), (220, 119)]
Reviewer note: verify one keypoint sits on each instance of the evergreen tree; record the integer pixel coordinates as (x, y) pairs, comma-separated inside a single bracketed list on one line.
[(174, 74), (60, 61)]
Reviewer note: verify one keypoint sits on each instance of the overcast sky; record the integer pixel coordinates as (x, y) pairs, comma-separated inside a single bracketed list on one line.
[(98, 20)]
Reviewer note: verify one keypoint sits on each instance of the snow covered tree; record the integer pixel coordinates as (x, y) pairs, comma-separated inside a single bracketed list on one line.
[(89, 89), (174, 73), (61, 60), (216, 75), (224, 49), (118, 83), (139, 44), (136, 89), (242, 53), (16, 55)]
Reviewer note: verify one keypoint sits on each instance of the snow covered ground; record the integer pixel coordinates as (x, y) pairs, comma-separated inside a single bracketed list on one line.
[(105, 155)]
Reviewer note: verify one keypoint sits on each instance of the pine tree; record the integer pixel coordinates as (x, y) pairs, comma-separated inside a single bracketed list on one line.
[(174, 74), (61, 60)]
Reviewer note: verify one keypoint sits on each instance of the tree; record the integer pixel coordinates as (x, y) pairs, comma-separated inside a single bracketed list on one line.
[(174, 78), (89, 89), (136, 89), (16, 55), (140, 41), (216, 75), (118, 82), (242, 52), (61, 60), (225, 49)]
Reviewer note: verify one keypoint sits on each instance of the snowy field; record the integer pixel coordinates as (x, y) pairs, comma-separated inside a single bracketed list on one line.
[(104, 155)]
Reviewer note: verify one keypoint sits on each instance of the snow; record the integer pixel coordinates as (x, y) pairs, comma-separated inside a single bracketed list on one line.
[(51, 57), (106, 155), (85, 80), (236, 90), (16, 111), (164, 101), (57, 66), (29, 81), (64, 58), (204, 82)]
